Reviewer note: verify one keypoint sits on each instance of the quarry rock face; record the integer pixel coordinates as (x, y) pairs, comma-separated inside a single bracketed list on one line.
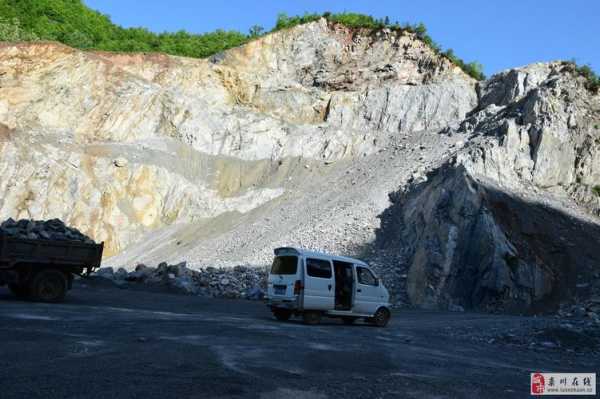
[(120, 145), (472, 244), (547, 129), (508, 223), (298, 138)]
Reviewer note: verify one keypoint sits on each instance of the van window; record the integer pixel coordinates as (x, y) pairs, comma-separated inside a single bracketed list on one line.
[(284, 265), (365, 276), (318, 268)]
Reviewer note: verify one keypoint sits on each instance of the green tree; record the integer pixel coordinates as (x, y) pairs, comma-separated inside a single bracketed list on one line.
[(256, 30), (11, 31), (78, 39)]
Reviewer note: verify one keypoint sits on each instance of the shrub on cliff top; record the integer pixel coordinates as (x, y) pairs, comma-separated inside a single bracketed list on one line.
[(592, 79), (285, 22)]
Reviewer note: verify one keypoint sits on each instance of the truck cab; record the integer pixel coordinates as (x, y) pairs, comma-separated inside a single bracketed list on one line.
[(314, 284)]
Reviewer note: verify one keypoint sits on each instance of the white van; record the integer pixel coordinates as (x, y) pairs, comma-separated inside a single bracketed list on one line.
[(313, 284)]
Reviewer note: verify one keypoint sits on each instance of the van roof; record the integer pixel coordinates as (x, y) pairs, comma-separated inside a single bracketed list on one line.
[(305, 252)]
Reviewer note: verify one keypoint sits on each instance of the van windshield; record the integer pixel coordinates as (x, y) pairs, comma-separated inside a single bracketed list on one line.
[(284, 265)]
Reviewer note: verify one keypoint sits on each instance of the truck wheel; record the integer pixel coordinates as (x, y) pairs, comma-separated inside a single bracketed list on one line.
[(381, 317), (282, 314), (18, 290), (49, 286), (348, 320), (311, 317)]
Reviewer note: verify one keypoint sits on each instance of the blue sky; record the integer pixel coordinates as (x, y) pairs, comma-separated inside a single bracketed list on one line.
[(499, 34)]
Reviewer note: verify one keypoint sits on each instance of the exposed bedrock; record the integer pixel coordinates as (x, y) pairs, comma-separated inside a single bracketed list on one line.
[(467, 242), (509, 222), (121, 145), (544, 127)]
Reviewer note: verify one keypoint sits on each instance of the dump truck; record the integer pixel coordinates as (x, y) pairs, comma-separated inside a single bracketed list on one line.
[(43, 270)]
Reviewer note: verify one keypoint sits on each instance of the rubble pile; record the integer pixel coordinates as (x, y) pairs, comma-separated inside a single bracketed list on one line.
[(589, 308), (237, 282), (575, 335), (53, 229)]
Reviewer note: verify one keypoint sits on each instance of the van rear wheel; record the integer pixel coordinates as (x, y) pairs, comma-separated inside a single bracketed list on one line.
[(311, 317), (282, 314)]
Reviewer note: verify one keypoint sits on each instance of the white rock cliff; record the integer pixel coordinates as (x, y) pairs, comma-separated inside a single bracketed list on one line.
[(293, 139)]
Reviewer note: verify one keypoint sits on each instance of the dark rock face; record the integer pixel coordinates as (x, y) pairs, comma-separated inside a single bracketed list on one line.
[(53, 229), (469, 244), (480, 231)]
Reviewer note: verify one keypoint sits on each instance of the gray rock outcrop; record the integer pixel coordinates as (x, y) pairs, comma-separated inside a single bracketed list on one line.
[(547, 132), (469, 243), (508, 223)]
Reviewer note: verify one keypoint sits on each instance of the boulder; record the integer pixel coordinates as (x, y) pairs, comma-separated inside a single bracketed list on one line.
[(120, 162), (255, 293), (185, 284), (105, 272), (121, 274)]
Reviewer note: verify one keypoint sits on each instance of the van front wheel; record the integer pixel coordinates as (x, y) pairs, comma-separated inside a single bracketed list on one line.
[(311, 317), (381, 317), (282, 314)]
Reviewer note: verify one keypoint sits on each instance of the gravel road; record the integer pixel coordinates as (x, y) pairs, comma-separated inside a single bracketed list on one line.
[(106, 342)]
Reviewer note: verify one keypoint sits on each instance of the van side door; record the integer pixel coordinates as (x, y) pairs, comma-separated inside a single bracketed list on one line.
[(368, 293), (319, 290)]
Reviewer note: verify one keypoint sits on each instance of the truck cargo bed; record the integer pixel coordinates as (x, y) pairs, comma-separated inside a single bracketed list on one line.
[(69, 254)]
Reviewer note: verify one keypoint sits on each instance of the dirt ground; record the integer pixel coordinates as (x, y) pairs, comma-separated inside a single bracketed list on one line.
[(106, 342)]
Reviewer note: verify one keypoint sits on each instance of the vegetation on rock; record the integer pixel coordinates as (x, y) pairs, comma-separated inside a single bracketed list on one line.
[(72, 23), (11, 31), (361, 21), (592, 80)]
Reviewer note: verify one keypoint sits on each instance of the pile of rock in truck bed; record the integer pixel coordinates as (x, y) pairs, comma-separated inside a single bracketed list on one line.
[(53, 229), (237, 282)]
